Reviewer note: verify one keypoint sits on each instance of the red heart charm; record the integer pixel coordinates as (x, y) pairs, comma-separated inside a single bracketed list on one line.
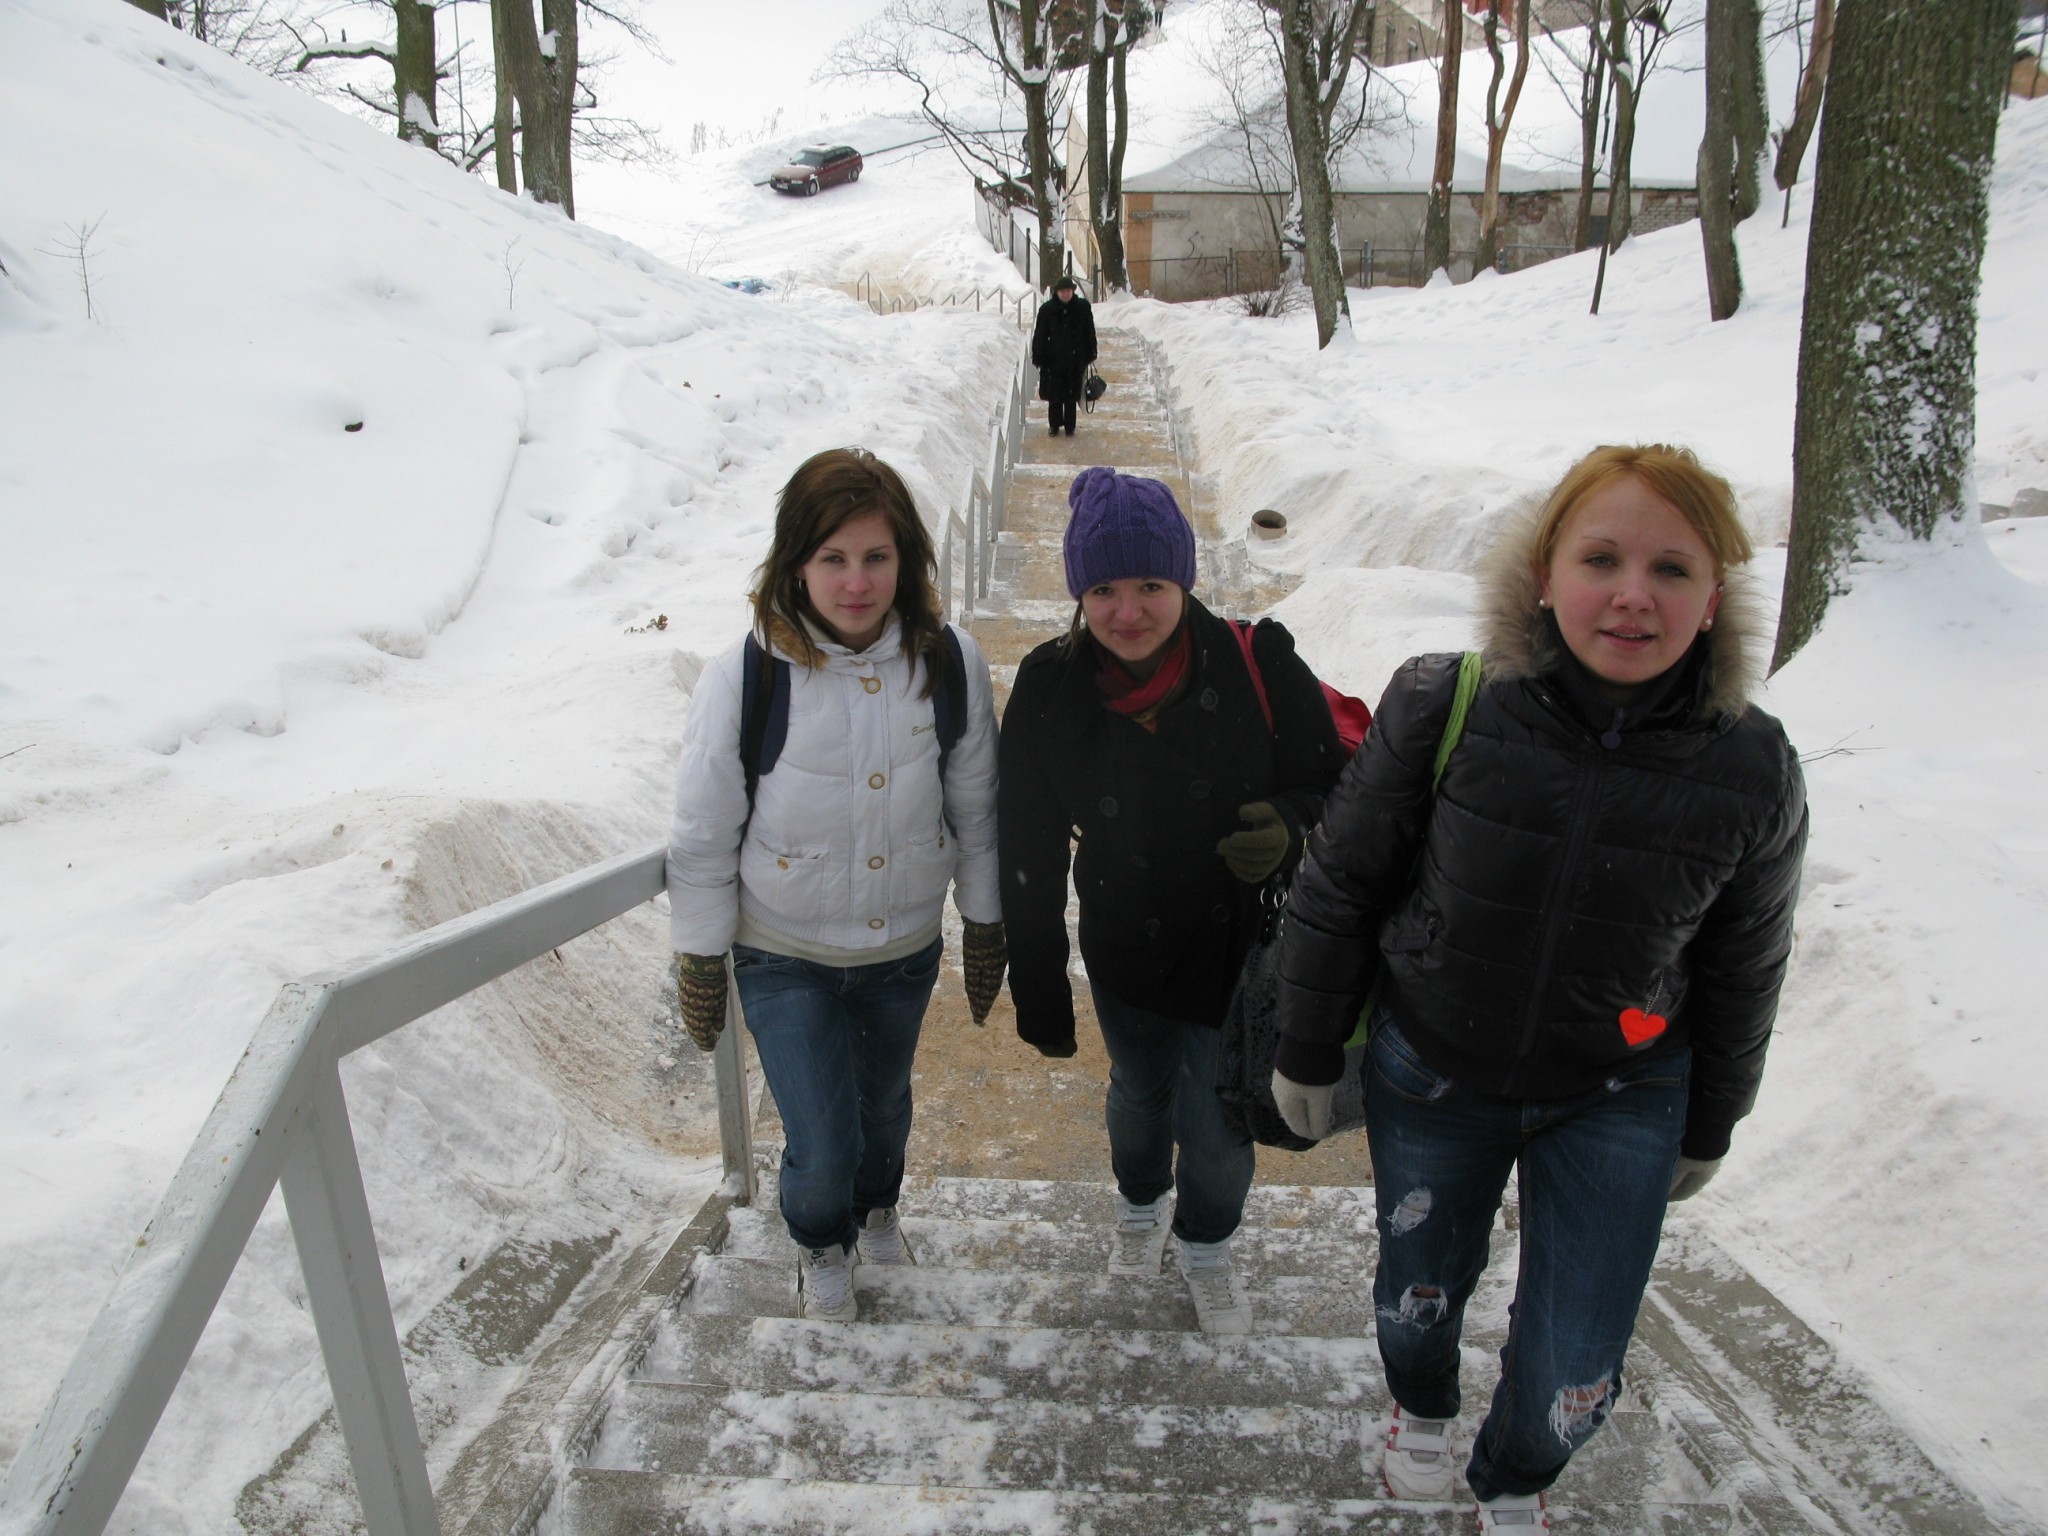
[(1638, 1026)]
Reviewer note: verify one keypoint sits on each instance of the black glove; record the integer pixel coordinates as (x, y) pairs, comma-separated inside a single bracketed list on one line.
[(1255, 854), (984, 957), (700, 989)]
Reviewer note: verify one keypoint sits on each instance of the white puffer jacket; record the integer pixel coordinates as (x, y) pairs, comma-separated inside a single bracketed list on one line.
[(850, 844)]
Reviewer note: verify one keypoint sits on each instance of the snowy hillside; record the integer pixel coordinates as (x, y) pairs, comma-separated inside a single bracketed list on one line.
[(333, 536)]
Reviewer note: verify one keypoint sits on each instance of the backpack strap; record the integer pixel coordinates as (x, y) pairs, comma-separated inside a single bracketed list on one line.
[(949, 699), (1242, 628), (764, 713), (1461, 706), (1454, 728)]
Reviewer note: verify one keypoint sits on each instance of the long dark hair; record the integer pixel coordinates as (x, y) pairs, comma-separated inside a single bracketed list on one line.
[(827, 491)]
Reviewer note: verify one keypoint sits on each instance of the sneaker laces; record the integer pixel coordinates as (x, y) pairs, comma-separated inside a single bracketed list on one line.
[(881, 1240), (1211, 1285), (828, 1277)]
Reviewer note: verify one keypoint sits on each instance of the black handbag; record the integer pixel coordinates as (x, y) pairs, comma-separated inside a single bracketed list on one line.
[(1094, 389), (1251, 1036)]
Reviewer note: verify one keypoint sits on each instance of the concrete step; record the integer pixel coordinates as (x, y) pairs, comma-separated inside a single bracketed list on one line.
[(1137, 1368), (600, 1502), (1330, 1249), (1029, 1299), (990, 1443), (1283, 1207)]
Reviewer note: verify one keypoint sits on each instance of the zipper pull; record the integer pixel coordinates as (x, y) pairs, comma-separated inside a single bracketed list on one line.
[(1611, 737)]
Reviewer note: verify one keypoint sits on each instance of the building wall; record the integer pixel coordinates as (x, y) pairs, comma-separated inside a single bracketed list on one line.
[(1200, 245)]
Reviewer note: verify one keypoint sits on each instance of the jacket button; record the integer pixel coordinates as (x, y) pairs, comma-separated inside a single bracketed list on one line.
[(1152, 927), (872, 684), (1139, 861), (1219, 913), (876, 922), (1108, 806), (876, 781), (1199, 790), (782, 863), (875, 862), (1208, 699)]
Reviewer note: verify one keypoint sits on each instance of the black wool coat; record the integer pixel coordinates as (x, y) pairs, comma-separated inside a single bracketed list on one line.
[(1164, 924), (1062, 347), (1569, 882)]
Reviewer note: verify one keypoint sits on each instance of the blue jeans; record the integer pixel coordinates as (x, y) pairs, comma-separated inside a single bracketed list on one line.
[(1162, 1091), (836, 1043), (1595, 1173)]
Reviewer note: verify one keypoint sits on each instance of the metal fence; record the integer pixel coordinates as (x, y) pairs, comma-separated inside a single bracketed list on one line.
[(282, 1121)]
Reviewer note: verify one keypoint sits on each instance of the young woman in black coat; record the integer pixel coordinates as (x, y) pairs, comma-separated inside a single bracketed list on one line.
[(1579, 939), (1140, 734), (1062, 347)]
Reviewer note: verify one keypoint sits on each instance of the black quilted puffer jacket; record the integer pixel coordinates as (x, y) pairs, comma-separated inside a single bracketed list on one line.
[(1581, 873)]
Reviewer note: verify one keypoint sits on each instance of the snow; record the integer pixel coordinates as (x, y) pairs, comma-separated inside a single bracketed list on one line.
[(275, 693)]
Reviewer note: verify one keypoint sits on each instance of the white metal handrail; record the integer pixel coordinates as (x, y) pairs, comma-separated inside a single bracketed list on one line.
[(282, 1122), (983, 501)]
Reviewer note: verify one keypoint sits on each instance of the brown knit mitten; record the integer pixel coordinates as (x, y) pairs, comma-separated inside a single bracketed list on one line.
[(700, 989), (984, 956)]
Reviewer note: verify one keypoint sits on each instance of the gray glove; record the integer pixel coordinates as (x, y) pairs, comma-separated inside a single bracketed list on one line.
[(1691, 1176), (1306, 1110), (700, 994), (1254, 854)]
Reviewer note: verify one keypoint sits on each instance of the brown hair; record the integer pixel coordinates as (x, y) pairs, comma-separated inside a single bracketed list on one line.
[(827, 491), (1702, 498)]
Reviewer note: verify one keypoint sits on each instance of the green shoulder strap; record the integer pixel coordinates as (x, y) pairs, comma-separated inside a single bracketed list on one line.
[(1454, 727)]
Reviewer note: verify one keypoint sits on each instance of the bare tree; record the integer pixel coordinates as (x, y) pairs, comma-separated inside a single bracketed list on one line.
[(1885, 427), (1577, 66), (989, 81), (415, 69), (1635, 34), (1113, 26), (1318, 42), (1806, 110), (1499, 116), (1721, 162), (1436, 223)]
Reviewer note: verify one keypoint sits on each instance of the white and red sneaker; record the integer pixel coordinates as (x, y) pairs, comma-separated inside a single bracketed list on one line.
[(1515, 1512), (1417, 1463)]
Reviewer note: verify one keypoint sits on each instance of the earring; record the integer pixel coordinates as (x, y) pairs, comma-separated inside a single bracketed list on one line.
[(1708, 625), (1542, 602)]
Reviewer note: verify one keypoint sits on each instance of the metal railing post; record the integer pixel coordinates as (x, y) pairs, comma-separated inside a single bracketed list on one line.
[(330, 1217), (735, 1104)]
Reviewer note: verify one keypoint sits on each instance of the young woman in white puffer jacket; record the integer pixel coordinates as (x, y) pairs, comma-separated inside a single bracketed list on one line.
[(827, 890)]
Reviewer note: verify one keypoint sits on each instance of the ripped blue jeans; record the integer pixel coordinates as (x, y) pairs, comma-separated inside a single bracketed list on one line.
[(1595, 1172)]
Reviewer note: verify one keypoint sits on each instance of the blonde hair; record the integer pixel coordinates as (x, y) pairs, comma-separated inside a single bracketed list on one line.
[(1703, 498)]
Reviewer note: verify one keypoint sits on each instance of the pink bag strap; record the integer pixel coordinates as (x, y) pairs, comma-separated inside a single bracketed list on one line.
[(1242, 628)]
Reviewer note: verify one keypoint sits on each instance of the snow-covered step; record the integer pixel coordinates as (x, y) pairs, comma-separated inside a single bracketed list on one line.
[(1031, 1298), (1138, 1367), (681, 1505), (981, 1243), (1290, 1451), (1284, 1206)]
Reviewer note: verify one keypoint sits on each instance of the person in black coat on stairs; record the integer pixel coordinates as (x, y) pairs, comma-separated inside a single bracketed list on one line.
[(1578, 939), (1141, 734), (1062, 347)]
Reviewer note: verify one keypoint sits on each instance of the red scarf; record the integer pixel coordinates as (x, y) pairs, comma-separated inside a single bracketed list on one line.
[(1142, 700)]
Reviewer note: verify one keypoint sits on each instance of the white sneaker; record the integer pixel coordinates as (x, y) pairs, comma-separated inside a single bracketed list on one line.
[(1220, 1303), (881, 1239), (1417, 1463), (824, 1283), (1520, 1512), (1140, 1242)]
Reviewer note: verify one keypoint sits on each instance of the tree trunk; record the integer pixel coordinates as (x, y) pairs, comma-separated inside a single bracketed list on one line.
[(1751, 118), (1885, 423), (415, 79), (1716, 166), (1592, 95), (1497, 125), (543, 72), (1436, 224), (1120, 138), (155, 8), (1308, 136), (1031, 73), (1105, 199), (1792, 147), (502, 129), (1620, 192)]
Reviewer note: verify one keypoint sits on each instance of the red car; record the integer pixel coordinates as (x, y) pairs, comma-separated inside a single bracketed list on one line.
[(814, 169)]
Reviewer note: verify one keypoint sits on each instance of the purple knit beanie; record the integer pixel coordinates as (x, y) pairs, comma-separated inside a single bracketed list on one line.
[(1125, 526)]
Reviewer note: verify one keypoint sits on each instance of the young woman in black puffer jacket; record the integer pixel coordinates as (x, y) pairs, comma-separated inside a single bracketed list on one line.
[(1141, 734), (1579, 938)]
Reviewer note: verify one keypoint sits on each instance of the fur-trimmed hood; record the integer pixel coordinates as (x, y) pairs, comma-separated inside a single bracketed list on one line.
[(1518, 642)]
